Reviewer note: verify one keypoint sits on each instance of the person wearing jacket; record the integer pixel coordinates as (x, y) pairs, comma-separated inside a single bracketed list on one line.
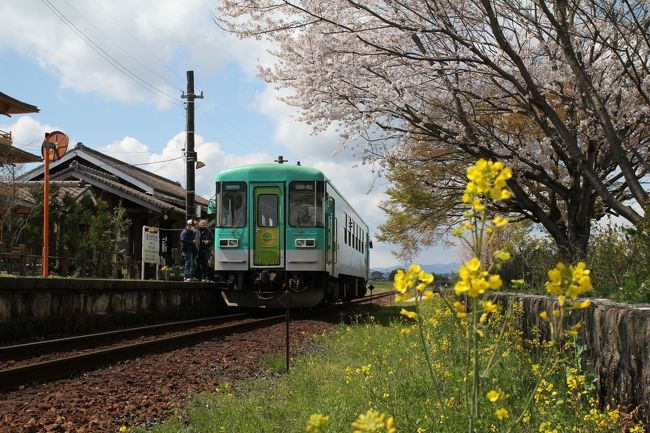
[(204, 240), (188, 247)]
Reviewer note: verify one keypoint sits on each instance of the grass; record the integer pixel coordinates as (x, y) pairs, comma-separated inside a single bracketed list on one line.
[(378, 362), (381, 286)]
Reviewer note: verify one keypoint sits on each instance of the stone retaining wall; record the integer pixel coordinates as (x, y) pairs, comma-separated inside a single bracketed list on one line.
[(36, 308), (617, 338)]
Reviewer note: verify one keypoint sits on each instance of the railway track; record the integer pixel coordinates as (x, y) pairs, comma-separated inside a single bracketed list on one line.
[(35, 372), (24, 351)]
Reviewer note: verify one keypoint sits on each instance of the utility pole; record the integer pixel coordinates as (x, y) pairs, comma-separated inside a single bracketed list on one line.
[(190, 154)]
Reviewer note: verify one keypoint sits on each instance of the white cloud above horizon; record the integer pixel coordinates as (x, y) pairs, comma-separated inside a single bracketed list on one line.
[(121, 50)]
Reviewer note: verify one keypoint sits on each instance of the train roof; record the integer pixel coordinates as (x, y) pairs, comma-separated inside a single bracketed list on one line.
[(271, 172)]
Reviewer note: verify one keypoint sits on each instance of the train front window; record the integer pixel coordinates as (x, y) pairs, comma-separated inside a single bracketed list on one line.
[(306, 204), (267, 210), (231, 204)]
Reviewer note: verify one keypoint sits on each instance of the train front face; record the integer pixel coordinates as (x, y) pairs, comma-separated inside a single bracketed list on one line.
[(270, 236)]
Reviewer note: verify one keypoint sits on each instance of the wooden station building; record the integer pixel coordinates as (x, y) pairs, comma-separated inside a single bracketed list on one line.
[(149, 199)]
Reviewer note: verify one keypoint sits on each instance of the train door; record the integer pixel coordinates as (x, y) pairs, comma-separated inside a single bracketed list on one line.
[(268, 220), (330, 235)]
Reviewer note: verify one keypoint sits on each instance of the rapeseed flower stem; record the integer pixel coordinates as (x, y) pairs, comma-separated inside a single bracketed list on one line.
[(545, 369), (426, 348), (475, 373)]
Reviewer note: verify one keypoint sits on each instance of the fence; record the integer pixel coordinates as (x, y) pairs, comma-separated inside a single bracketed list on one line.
[(18, 261)]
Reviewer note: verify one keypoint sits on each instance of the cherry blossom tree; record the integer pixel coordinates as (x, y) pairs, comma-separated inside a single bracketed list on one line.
[(559, 90)]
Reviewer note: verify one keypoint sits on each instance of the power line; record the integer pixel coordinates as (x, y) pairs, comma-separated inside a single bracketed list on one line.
[(126, 30), (232, 132), (114, 62), (225, 126), (134, 58), (158, 162)]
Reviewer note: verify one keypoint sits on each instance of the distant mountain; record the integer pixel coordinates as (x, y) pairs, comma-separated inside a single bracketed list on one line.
[(438, 268)]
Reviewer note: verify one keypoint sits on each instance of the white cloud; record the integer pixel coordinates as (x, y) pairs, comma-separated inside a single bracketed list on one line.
[(296, 137), (27, 133), (140, 38), (170, 161)]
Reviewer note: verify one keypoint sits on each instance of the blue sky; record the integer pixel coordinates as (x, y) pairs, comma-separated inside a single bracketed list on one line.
[(53, 54)]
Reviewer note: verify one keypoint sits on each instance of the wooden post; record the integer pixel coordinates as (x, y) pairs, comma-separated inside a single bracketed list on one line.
[(82, 264), (190, 154), (22, 260), (114, 266), (65, 262)]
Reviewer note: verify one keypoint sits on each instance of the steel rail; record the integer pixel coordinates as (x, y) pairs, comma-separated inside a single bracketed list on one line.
[(22, 351), (12, 378)]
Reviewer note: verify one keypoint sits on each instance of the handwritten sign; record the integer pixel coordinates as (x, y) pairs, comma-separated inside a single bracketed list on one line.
[(150, 245)]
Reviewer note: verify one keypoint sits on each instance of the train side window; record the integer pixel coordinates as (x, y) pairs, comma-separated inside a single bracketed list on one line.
[(306, 204), (267, 210), (231, 204)]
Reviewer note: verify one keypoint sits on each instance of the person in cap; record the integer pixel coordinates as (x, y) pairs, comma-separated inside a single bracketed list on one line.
[(204, 239), (187, 250)]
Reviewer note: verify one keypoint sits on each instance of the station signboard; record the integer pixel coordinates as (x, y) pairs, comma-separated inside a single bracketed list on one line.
[(150, 247)]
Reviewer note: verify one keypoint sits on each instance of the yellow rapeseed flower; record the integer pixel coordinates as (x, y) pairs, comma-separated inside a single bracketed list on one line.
[(390, 425), (425, 277), (499, 221), (316, 423), (460, 310), (473, 265), (490, 307), (494, 282), (474, 281), (569, 282), (582, 304), (409, 314), (493, 396), (369, 422), (502, 413), (487, 179)]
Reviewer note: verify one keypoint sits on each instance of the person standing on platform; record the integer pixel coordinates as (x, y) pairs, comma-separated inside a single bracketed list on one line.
[(187, 249), (205, 242)]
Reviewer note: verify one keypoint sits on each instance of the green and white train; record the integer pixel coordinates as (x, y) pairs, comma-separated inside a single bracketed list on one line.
[(285, 235)]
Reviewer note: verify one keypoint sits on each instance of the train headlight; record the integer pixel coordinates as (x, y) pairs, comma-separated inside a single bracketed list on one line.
[(305, 243), (228, 243)]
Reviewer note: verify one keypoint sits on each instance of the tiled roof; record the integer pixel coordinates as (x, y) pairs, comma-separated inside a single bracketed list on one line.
[(99, 177), (19, 192), (9, 105), (121, 170), (11, 155), (13, 192)]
